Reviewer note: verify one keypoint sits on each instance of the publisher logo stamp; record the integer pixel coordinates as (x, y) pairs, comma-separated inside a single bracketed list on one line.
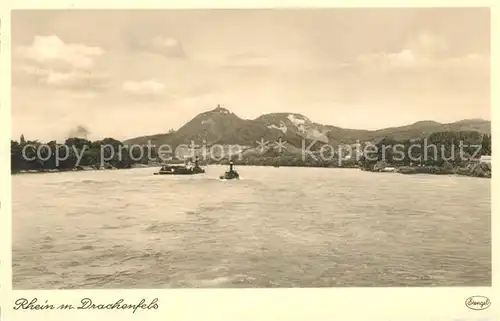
[(477, 302)]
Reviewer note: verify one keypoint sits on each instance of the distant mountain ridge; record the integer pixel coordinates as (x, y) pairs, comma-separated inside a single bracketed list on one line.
[(221, 126)]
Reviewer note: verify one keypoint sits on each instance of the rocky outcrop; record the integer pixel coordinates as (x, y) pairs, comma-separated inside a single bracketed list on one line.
[(436, 170), (475, 169)]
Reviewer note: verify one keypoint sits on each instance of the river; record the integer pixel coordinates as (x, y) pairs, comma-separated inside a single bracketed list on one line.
[(276, 227)]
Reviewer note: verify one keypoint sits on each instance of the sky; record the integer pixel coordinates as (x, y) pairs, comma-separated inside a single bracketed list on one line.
[(128, 73)]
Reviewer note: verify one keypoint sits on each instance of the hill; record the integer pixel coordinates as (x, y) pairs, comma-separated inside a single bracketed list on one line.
[(221, 126)]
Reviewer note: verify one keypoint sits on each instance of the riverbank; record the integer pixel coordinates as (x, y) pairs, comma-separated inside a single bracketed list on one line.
[(80, 169), (472, 169), (481, 170)]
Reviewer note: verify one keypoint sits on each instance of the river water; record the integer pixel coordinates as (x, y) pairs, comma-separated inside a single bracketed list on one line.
[(276, 227)]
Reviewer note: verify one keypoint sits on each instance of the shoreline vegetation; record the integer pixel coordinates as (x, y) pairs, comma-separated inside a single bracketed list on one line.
[(458, 153), (466, 153), (474, 169)]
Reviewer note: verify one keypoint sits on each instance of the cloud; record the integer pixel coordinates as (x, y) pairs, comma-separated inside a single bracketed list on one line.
[(165, 46), (52, 50), (145, 87), (403, 59), (427, 45), (50, 62), (73, 79), (423, 51)]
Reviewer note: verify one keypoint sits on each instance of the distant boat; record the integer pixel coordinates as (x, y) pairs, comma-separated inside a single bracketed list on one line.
[(181, 169), (231, 173)]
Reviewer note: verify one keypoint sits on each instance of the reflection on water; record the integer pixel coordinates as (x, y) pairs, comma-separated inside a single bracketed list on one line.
[(276, 227)]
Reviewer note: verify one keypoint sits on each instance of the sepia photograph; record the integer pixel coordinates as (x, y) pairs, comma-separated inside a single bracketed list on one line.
[(251, 148)]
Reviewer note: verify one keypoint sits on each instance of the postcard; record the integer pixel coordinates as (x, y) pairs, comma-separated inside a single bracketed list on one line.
[(264, 162)]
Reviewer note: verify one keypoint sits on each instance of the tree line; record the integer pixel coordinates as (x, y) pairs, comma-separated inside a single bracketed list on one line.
[(450, 148), (75, 153), (437, 149)]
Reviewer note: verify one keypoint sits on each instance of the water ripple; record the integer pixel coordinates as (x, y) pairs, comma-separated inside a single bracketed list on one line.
[(303, 228)]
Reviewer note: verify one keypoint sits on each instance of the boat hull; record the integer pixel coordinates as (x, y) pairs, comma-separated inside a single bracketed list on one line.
[(170, 173), (228, 176), (181, 171)]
